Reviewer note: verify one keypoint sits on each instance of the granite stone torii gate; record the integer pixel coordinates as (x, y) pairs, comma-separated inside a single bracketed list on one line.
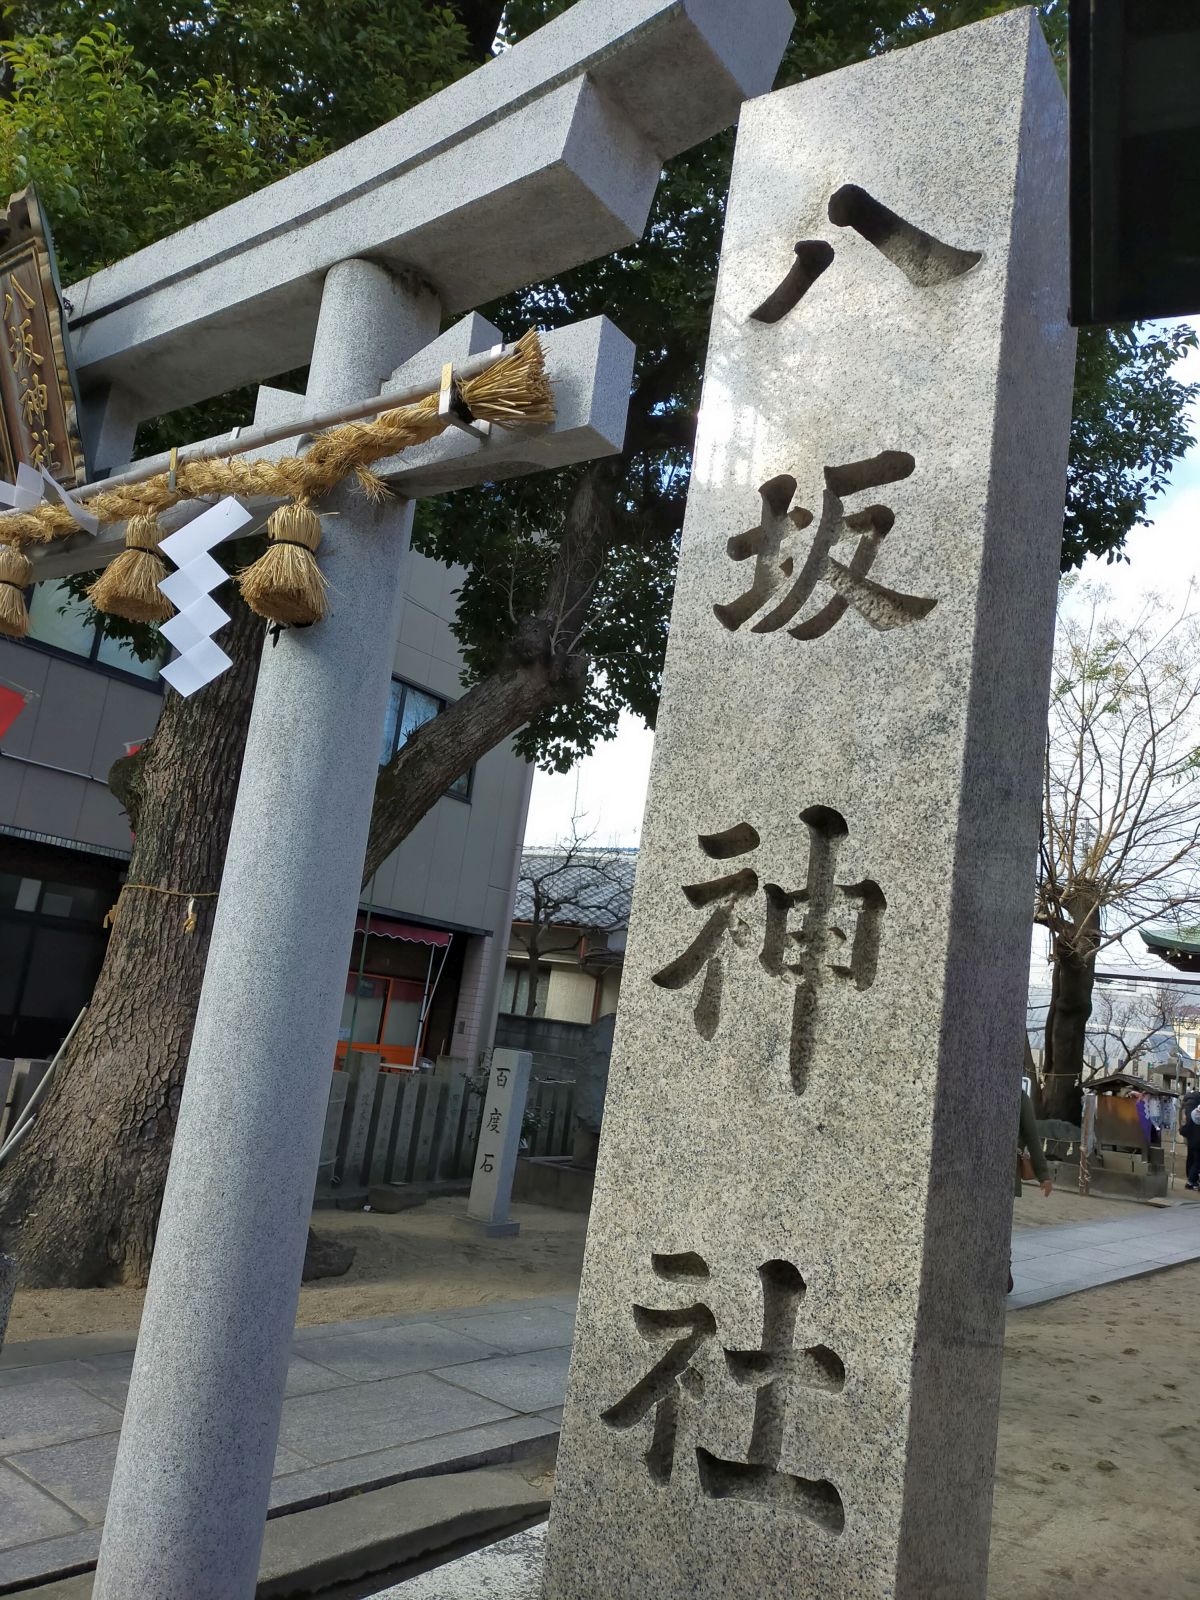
[(546, 157)]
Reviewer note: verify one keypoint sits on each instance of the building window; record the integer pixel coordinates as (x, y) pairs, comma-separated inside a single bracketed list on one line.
[(408, 708), (51, 946), (514, 991), (64, 623)]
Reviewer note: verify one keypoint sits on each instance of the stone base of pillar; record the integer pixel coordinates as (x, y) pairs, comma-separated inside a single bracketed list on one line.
[(489, 1230), (508, 1570)]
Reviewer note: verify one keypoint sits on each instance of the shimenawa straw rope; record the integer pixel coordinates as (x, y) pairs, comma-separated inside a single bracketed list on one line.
[(514, 390)]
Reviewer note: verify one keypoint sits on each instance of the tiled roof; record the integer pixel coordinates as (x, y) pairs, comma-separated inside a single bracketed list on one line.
[(591, 889)]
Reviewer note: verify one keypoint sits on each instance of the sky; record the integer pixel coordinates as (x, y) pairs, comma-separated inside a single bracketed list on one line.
[(1164, 559), (608, 789)]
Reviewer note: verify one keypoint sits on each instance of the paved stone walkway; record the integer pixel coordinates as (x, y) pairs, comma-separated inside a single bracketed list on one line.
[(368, 1403), (373, 1402), (1050, 1262)]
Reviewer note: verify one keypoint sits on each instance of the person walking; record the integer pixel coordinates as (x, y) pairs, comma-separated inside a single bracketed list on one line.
[(1028, 1140), (1189, 1126)]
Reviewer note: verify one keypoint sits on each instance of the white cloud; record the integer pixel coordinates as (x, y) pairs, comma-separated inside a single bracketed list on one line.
[(607, 790)]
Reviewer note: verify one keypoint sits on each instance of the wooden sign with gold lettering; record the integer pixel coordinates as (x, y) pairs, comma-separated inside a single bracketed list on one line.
[(38, 409)]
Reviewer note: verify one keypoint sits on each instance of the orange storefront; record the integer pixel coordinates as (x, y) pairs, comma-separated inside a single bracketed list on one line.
[(400, 991)]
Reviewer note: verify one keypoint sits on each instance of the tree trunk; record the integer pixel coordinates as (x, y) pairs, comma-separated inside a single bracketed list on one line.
[(79, 1200), (441, 750), (1066, 1024), (531, 998), (540, 669)]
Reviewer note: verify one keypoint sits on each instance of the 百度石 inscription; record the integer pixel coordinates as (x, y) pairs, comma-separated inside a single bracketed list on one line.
[(806, 955), (681, 1378)]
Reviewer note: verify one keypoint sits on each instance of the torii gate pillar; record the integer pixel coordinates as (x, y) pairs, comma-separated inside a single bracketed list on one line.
[(193, 1474)]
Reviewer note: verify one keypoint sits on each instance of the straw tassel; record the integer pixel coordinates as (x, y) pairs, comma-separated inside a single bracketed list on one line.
[(515, 390), (15, 575), (128, 587), (285, 584)]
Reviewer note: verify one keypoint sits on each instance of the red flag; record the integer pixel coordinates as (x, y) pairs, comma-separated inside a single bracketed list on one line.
[(11, 706)]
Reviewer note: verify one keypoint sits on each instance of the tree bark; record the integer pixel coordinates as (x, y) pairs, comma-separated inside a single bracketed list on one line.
[(533, 957), (79, 1199), (1066, 1023)]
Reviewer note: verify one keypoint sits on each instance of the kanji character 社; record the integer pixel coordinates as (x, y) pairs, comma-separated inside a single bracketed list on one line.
[(772, 1371)]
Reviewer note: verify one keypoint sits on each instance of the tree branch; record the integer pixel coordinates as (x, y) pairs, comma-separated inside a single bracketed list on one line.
[(480, 20), (540, 668)]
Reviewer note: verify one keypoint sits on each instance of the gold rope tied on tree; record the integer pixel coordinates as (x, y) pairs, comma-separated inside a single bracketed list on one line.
[(190, 895), (16, 574), (285, 584), (513, 390), (128, 587)]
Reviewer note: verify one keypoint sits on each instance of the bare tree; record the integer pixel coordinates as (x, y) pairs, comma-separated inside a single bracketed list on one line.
[(570, 892), (1122, 1027), (1121, 806)]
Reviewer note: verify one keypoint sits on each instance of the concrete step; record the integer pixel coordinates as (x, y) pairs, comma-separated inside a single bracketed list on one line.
[(377, 1532)]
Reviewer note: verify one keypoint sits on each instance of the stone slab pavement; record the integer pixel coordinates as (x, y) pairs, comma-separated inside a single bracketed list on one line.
[(374, 1402), (368, 1403), (1050, 1262)]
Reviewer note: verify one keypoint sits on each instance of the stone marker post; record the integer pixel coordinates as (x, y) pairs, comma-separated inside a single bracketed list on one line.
[(787, 1367), (499, 1144)]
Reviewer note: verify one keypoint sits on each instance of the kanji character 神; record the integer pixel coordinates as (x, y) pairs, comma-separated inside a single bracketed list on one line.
[(804, 955)]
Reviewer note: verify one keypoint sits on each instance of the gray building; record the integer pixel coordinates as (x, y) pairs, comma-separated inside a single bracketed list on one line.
[(1135, 1026), (426, 964)]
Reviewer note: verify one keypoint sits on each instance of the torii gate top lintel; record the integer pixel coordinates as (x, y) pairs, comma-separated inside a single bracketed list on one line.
[(545, 157)]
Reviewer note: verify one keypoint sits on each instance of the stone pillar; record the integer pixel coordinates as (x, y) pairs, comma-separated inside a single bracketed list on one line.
[(483, 970), (787, 1367), (193, 1473), (499, 1144), (109, 418)]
